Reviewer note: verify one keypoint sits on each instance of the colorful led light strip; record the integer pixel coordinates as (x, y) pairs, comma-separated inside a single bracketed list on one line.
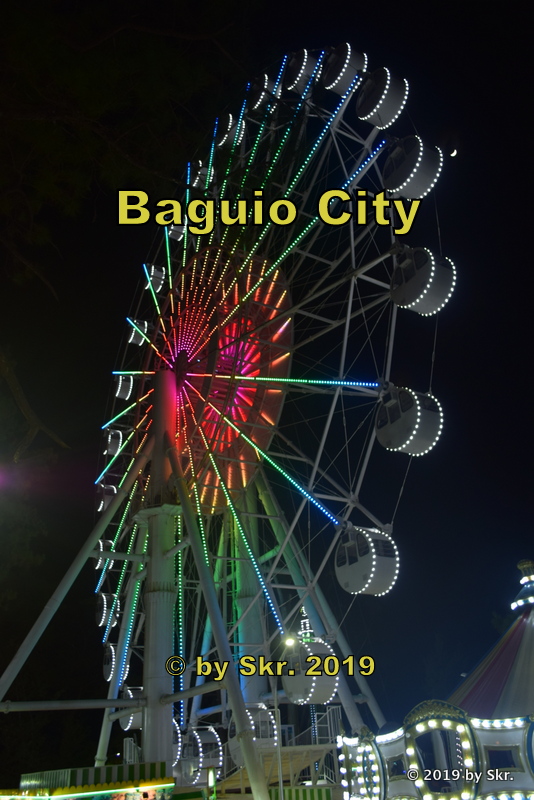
[(128, 637), (262, 126), (299, 105), (179, 566), (273, 162), (322, 135), (240, 527), (116, 537), (119, 585), (136, 597), (267, 458), (367, 384), (169, 268), (155, 299), (145, 337), (316, 144), (300, 236), (252, 152), (133, 405), (115, 457)]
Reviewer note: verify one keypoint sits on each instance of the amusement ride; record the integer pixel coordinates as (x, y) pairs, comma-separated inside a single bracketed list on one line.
[(255, 405)]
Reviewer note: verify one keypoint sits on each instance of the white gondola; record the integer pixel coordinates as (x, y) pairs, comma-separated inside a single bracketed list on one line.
[(212, 753), (412, 168), (114, 442), (367, 561), (381, 98), (262, 91), (227, 131), (189, 766), (176, 743), (104, 545), (133, 721), (341, 68), (109, 662), (305, 679), (408, 421), (106, 493), (176, 232), (107, 609), (138, 334), (299, 71), (156, 277), (263, 724), (422, 281), (124, 387)]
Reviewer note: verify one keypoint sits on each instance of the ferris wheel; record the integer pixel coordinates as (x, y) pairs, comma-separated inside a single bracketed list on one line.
[(254, 406), (260, 362)]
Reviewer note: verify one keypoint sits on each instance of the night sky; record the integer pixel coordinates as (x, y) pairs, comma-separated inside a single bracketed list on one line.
[(462, 525)]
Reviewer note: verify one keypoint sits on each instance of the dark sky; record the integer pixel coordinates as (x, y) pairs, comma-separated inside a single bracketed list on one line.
[(462, 524)]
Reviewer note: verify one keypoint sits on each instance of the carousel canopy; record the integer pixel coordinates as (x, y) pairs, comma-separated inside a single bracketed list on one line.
[(502, 684)]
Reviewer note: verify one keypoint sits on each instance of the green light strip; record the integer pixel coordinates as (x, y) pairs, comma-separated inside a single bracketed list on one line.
[(262, 126), (145, 337), (258, 379), (132, 372), (180, 603), (289, 127), (115, 457), (129, 632), (122, 413), (276, 157), (116, 538), (240, 528), (268, 226), (297, 240), (228, 167), (273, 463), (267, 458), (119, 585)]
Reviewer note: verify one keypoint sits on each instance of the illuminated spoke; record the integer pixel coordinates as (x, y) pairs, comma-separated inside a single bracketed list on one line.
[(129, 408), (267, 458), (115, 457), (302, 235), (302, 381), (133, 372), (235, 515), (146, 338)]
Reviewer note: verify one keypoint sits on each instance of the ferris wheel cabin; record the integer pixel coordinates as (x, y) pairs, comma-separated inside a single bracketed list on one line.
[(408, 421), (367, 561), (412, 168), (422, 281), (303, 683)]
